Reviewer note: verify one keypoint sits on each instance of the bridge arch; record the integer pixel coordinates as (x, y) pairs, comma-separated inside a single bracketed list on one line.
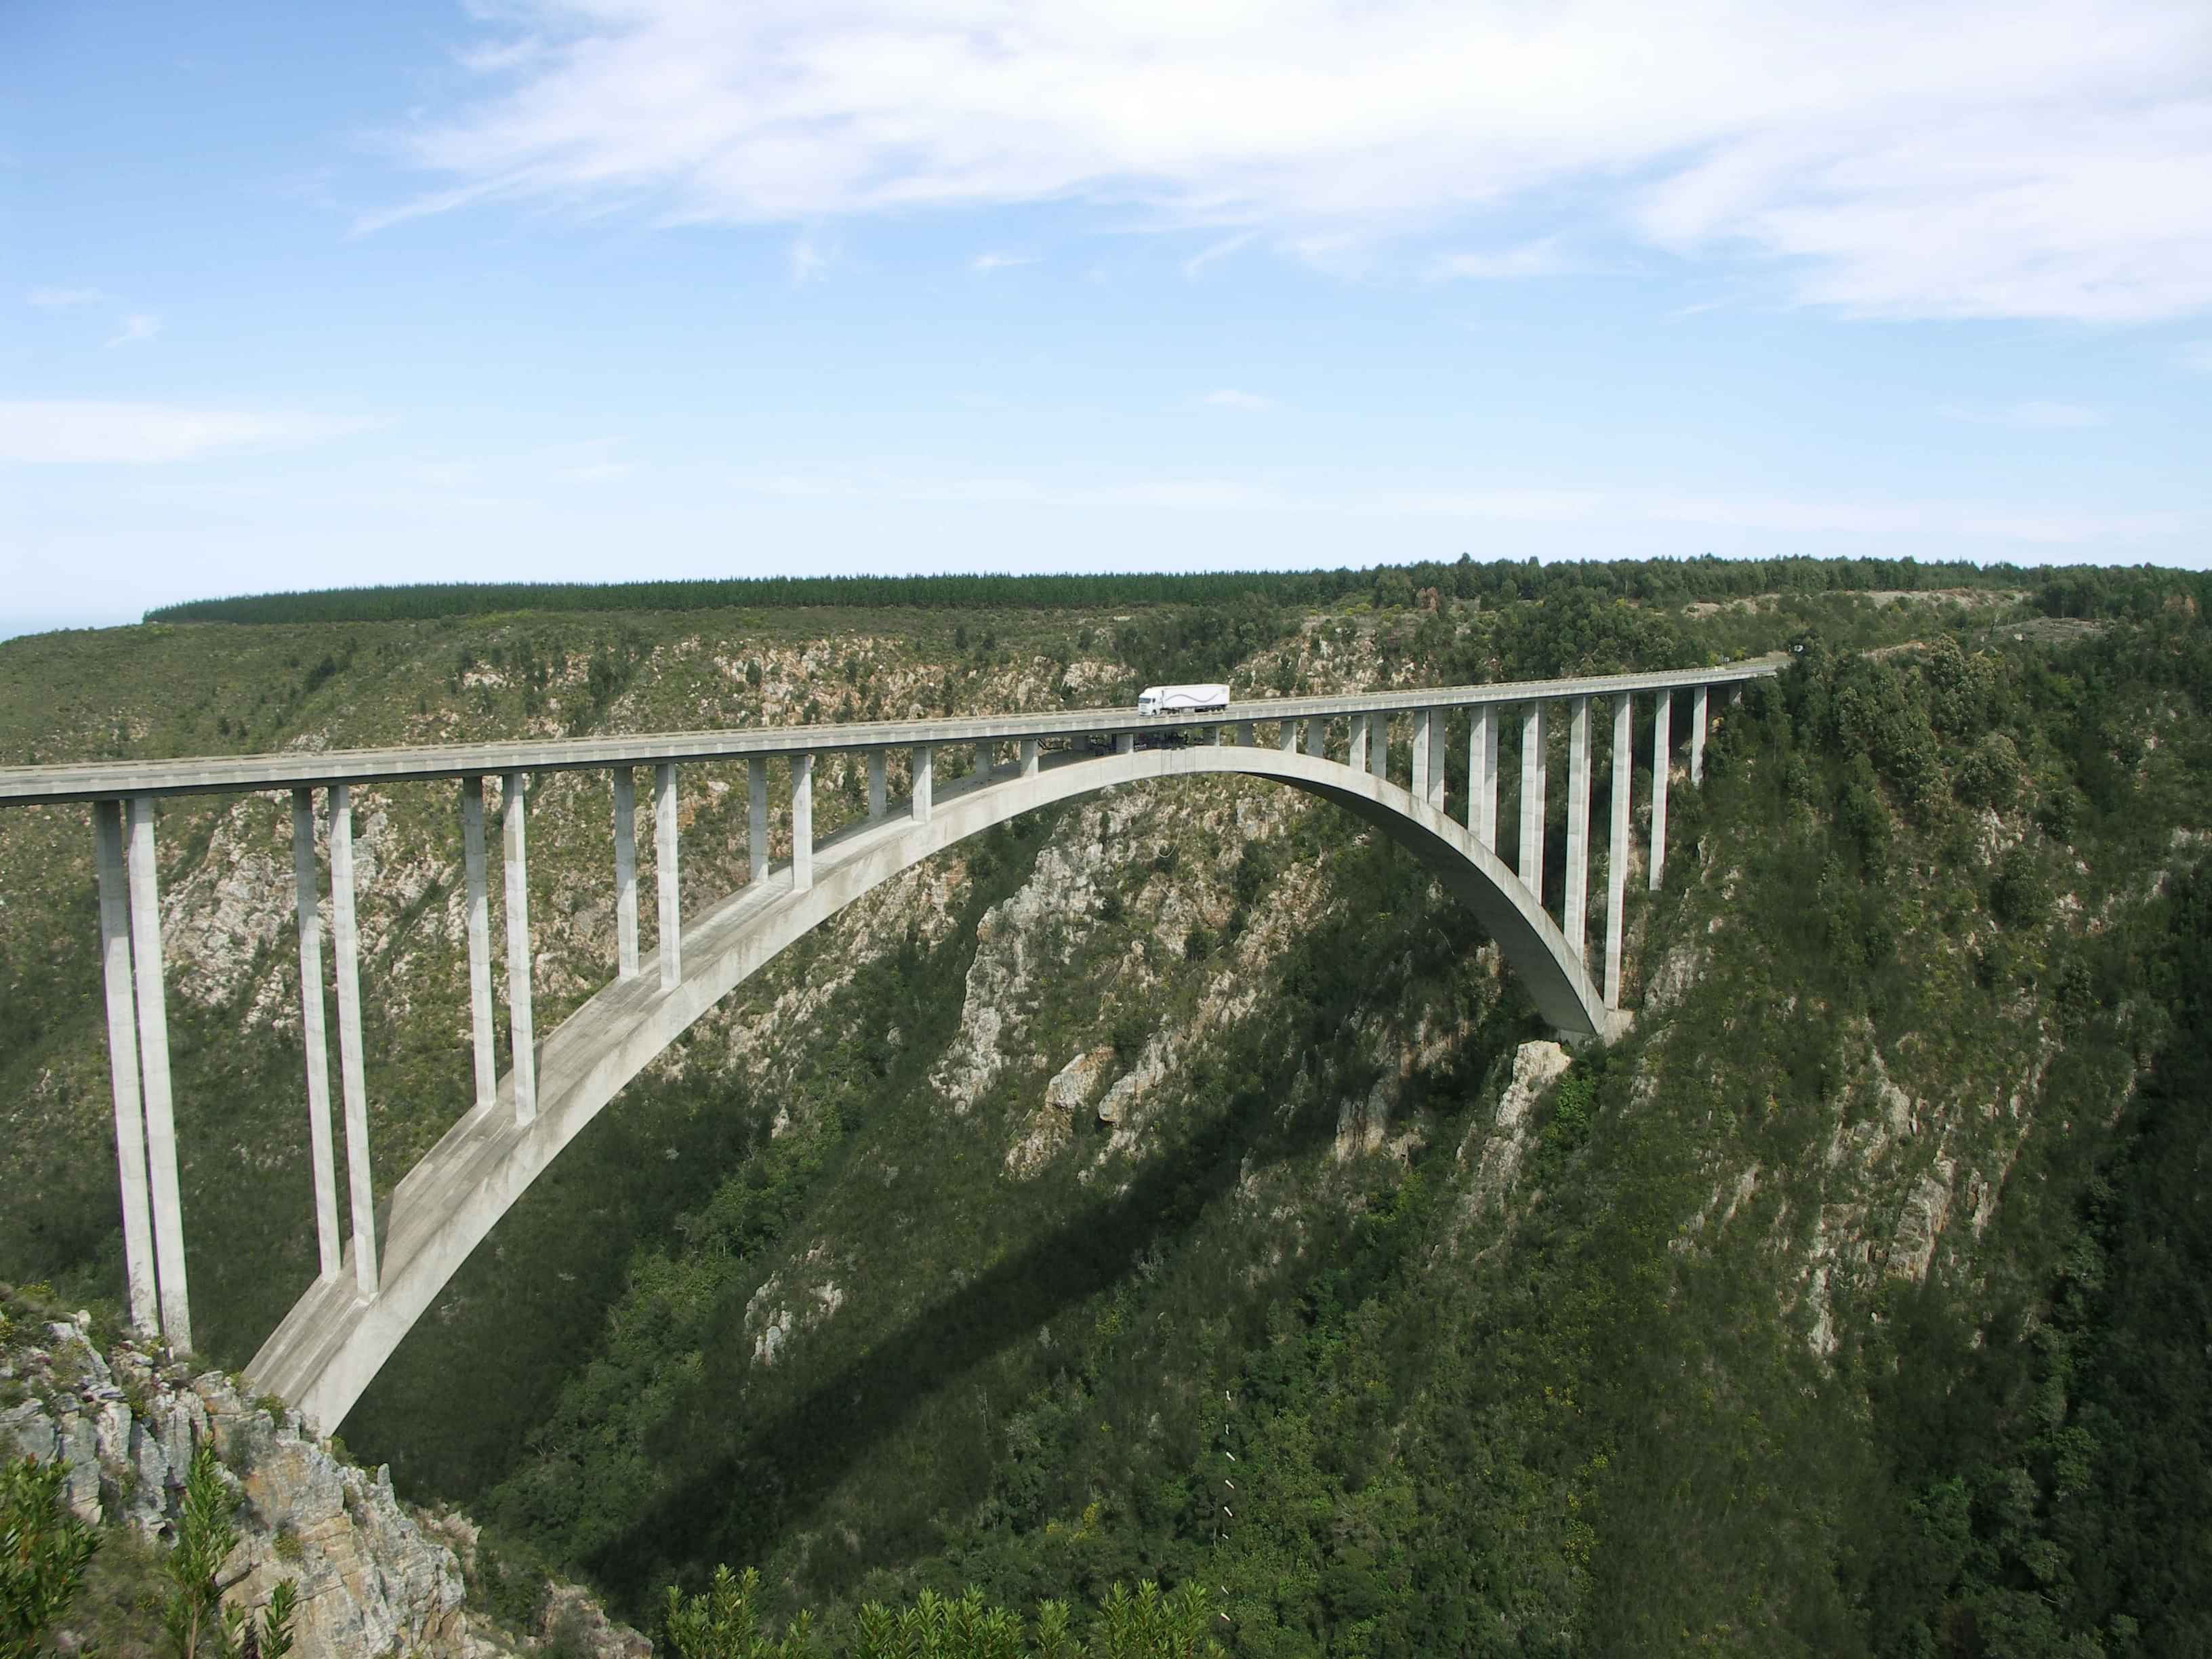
[(332, 1344)]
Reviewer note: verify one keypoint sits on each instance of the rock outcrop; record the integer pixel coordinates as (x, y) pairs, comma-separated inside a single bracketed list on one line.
[(370, 1578), (1496, 1149)]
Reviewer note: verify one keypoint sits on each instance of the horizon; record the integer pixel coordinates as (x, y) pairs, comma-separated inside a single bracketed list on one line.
[(615, 586), (590, 293)]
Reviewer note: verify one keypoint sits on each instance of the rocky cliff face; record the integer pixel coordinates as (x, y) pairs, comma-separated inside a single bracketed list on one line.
[(373, 1575)]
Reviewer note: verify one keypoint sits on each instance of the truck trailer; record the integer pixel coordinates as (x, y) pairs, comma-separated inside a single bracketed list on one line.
[(1183, 699)]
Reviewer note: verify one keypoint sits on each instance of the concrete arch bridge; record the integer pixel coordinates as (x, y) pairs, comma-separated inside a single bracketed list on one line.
[(370, 1291)]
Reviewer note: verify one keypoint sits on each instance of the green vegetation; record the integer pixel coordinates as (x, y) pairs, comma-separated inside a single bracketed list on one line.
[(197, 1622), (725, 1623), (1854, 1304), (1499, 582), (43, 1552)]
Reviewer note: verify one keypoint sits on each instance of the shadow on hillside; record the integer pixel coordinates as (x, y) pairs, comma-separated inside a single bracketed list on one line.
[(740, 1497)]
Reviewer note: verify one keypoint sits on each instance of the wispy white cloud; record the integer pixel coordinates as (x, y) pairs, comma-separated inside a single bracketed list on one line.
[(1228, 397), (134, 328), (807, 259), (1537, 258), (1975, 159), (1214, 251), (138, 433), (990, 262), (57, 298), (2035, 414)]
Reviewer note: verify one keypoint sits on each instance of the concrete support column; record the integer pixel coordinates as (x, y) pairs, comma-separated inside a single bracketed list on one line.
[(1616, 862), (154, 1073), (1287, 736), (1482, 775), (1032, 757), (123, 1066), (625, 874), (1357, 759), (308, 914), (667, 874), (1698, 705), (879, 785), (756, 817), (1436, 795), (1245, 733), (1126, 744), (1221, 736), (1378, 747), (522, 1023), (980, 771), (1662, 744), (802, 823), (345, 957), (483, 1044), (1317, 739), (1424, 721), (1532, 800), (1576, 909), (919, 807)]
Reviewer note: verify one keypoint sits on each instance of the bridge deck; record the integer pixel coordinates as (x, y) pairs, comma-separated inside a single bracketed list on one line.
[(113, 779)]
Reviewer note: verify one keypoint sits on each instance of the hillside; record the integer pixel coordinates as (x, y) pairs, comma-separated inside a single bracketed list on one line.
[(1168, 1186)]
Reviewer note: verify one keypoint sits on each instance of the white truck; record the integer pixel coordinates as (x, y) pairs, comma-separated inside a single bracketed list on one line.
[(1183, 699)]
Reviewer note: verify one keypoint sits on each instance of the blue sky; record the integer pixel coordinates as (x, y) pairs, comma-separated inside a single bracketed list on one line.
[(305, 296)]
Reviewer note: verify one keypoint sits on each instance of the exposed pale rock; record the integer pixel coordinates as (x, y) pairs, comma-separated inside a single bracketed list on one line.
[(1927, 1207), (1138, 1080), (1015, 937), (370, 1578), (1052, 1125), (1074, 1084), (573, 1620), (1670, 981), (773, 1323), (1536, 1067), (235, 904)]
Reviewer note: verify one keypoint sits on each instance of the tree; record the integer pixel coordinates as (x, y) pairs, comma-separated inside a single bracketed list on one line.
[(198, 1624), (724, 1624), (1393, 590), (44, 1551)]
